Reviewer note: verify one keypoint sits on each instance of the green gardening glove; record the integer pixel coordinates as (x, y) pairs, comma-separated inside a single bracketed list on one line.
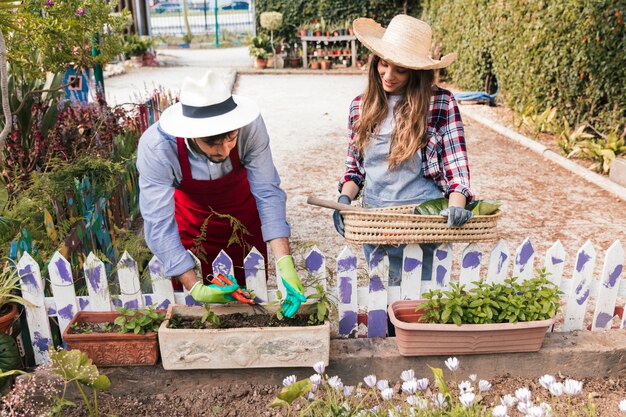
[(213, 293), (295, 290)]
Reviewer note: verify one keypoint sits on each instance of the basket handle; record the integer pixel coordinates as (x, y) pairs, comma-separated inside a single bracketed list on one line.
[(332, 205)]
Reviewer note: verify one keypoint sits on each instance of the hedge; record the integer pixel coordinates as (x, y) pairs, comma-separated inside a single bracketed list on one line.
[(299, 12), (568, 54)]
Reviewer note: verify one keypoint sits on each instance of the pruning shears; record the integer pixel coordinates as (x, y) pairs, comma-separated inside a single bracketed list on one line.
[(240, 295)]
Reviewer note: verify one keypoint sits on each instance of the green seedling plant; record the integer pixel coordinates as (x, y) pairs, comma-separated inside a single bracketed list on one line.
[(321, 309), (75, 366), (210, 317), (139, 321), (509, 302)]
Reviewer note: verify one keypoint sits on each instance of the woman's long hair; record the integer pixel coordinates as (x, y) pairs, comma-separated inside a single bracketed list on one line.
[(411, 114)]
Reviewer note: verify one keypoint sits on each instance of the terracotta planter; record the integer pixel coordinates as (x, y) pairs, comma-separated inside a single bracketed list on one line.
[(314, 65), (326, 65), (248, 347), (112, 349), (260, 63), (294, 62), (425, 339), (8, 318)]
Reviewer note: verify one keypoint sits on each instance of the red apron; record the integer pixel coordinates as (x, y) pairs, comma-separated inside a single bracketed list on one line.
[(197, 202)]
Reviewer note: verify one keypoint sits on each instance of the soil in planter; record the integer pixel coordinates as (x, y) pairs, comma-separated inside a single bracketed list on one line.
[(238, 320), (88, 328)]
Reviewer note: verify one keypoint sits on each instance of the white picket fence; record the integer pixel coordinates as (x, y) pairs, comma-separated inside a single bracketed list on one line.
[(352, 299)]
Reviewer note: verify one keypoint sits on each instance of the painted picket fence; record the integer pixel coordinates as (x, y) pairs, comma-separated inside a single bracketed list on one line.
[(352, 300)]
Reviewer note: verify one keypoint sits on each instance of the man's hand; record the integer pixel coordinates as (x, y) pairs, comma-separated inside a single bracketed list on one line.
[(213, 293), (457, 216), (338, 218), (293, 285)]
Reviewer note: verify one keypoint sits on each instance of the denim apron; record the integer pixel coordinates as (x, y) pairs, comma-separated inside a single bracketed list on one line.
[(401, 186)]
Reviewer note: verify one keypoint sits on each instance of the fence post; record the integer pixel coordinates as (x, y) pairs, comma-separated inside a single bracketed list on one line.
[(470, 265), (412, 264), (222, 264), (161, 285), (498, 262), (609, 285), (581, 278), (62, 286), (377, 302), (97, 285), (256, 275), (315, 263), (442, 266), (524, 261), (555, 262), (128, 277), (347, 306), (31, 285)]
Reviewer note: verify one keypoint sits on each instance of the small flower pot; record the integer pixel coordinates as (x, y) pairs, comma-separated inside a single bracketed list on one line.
[(8, 316), (260, 63), (314, 65), (294, 62), (429, 339), (326, 65), (112, 349), (245, 347)]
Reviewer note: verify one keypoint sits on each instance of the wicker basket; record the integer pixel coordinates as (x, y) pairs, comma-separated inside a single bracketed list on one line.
[(398, 225)]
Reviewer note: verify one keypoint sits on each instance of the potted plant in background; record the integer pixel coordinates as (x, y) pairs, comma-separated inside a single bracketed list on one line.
[(487, 318), (124, 337), (9, 284), (135, 47), (259, 49)]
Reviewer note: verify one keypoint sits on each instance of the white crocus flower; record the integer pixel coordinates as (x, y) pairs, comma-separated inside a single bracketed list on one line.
[(523, 406), (622, 406), (407, 375), (348, 390), (467, 399), (370, 380), (547, 380), (335, 382), (386, 393), (483, 385), (289, 380), (314, 388), (572, 387), (452, 364), (472, 377), (556, 389), (440, 401), (534, 411), (523, 394), (547, 409), (319, 367), (316, 379), (412, 399), (499, 411), (465, 386), (309, 396), (422, 384), (508, 400), (410, 386), (382, 384)]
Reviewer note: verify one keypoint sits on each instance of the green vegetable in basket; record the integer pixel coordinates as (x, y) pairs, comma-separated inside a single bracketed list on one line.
[(477, 207), (432, 207)]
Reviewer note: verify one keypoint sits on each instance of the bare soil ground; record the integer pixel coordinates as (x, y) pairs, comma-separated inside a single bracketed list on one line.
[(248, 400), (307, 117)]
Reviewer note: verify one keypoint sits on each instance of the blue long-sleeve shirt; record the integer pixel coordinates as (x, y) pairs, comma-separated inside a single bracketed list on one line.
[(160, 174)]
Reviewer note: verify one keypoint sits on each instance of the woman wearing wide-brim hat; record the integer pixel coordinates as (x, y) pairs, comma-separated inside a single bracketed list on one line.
[(406, 141)]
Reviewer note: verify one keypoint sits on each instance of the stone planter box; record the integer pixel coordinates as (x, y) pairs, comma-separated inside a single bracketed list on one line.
[(426, 339), (112, 349), (263, 347)]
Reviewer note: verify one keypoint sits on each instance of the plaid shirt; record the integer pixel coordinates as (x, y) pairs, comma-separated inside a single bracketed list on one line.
[(444, 158)]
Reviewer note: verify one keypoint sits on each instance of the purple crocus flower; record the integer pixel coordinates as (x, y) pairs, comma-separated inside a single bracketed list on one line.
[(80, 12), (49, 3)]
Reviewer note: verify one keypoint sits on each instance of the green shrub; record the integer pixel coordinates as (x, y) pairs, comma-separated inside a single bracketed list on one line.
[(566, 54)]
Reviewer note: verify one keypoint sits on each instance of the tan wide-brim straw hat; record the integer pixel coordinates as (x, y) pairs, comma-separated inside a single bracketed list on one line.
[(406, 42)]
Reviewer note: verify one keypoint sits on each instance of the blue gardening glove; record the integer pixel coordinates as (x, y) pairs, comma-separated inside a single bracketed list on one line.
[(457, 216), (295, 290), (212, 293), (338, 218)]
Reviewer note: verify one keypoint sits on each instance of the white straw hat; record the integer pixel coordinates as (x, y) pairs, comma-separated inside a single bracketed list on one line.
[(406, 42), (207, 108)]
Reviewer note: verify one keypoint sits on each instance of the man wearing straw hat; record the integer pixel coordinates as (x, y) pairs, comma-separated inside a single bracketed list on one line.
[(208, 183), (406, 140)]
